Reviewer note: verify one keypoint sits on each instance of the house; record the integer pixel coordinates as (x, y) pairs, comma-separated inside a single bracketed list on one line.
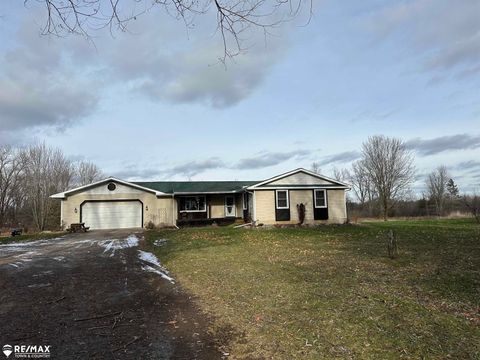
[(113, 203)]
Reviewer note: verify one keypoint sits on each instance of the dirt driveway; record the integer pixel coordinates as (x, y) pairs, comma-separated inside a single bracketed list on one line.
[(97, 296)]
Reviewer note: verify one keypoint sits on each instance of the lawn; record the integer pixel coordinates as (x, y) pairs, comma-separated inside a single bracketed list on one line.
[(331, 291)]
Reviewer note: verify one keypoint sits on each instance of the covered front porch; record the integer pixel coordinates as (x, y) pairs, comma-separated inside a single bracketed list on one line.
[(205, 209)]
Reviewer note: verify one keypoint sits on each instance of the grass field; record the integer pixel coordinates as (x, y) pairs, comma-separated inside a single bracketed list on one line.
[(331, 291)]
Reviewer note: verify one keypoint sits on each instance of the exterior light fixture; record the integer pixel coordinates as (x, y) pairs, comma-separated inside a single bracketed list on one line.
[(146, 208), (76, 211)]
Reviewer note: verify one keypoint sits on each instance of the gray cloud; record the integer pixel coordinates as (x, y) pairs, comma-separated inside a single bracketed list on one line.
[(450, 44), (270, 159), (40, 86), (189, 72), (55, 82), (444, 143), (193, 168), (133, 172), (342, 157), (188, 169), (375, 115), (470, 165)]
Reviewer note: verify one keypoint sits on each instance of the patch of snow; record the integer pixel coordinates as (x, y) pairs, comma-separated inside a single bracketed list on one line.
[(59, 258), (21, 245), (43, 273), (39, 285), (159, 272), (153, 265), (115, 244), (27, 256), (160, 242), (148, 257)]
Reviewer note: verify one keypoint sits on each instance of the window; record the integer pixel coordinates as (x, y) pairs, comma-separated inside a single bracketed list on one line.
[(320, 198), (245, 201), (193, 204), (111, 186), (282, 199)]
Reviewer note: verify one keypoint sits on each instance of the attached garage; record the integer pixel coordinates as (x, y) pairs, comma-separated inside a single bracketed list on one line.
[(116, 204), (112, 214)]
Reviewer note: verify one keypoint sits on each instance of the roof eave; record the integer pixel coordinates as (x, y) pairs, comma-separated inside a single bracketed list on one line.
[(281, 176), (207, 192), (65, 194)]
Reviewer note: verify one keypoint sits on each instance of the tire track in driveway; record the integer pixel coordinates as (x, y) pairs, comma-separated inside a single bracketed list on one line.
[(46, 286)]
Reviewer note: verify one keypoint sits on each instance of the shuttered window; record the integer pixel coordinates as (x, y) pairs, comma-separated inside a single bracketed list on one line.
[(320, 198), (282, 199)]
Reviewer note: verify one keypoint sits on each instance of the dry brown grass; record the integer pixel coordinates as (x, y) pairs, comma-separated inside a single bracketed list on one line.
[(332, 291)]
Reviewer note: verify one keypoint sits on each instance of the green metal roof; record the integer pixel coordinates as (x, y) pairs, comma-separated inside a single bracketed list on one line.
[(170, 187)]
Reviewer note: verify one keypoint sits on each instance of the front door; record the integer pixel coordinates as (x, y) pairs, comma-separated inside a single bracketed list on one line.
[(230, 210)]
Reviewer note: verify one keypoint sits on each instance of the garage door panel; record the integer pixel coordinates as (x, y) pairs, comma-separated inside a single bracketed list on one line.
[(112, 214)]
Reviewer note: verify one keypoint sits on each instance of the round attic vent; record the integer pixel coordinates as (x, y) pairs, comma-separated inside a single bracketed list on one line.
[(111, 186)]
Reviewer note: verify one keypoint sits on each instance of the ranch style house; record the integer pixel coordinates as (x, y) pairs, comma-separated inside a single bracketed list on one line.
[(113, 203)]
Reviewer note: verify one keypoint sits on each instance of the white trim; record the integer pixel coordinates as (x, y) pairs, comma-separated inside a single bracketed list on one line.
[(306, 187), (195, 211), (276, 200), (254, 210), (234, 206), (324, 198), (208, 192), (64, 194), (281, 176)]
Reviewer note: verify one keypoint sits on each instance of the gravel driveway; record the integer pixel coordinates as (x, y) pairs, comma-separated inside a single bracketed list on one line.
[(97, 296)]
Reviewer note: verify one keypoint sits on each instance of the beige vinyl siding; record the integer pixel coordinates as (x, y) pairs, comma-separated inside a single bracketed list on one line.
[(265, 207), (217, 205), (160, 210), (337, 212), (298, 197), (299, 178)]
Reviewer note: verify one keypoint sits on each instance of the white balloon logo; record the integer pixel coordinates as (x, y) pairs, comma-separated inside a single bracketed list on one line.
[(7, 350)]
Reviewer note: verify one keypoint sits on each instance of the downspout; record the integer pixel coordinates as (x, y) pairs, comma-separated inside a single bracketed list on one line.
[(61, 214), (345, 202), (173, 211), (254, 210)]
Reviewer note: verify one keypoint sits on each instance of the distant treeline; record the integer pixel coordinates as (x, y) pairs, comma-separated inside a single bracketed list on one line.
[(28, 176), (381, 184)]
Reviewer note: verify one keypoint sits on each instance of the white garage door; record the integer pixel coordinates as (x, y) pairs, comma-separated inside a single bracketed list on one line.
[(112, 214)]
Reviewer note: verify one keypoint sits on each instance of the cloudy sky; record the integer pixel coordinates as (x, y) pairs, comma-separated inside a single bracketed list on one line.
[(155, 102)]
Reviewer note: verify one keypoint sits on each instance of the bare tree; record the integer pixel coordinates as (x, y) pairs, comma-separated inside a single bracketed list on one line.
[(389, 165), (472, 203), (47, 171), (234, 17), (87, 173), (340, 174), (437, 187), (360, 181), (315, 167), (11, 167)]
